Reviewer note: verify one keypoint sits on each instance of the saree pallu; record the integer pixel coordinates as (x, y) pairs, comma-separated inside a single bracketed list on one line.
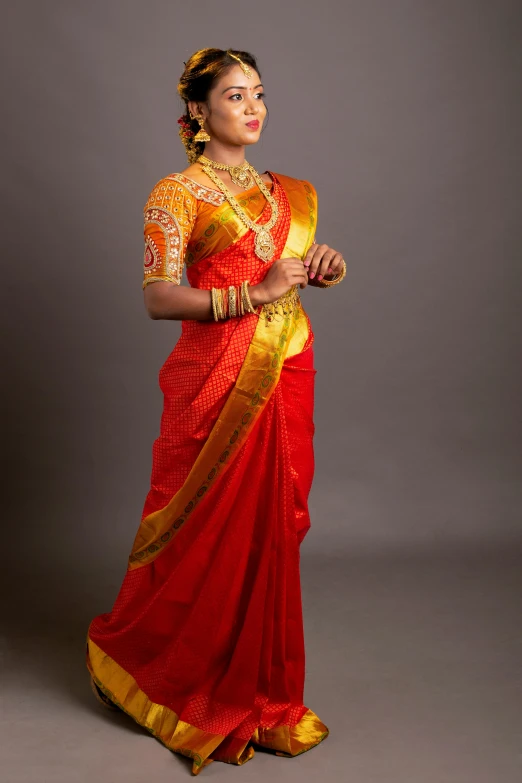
[(204, 646)]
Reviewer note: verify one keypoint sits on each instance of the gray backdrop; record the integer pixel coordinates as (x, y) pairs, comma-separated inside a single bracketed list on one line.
[(405, 114), (406, 117)]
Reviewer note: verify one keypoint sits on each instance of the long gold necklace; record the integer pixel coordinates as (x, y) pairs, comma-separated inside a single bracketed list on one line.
[(240, 175), (264, 246)]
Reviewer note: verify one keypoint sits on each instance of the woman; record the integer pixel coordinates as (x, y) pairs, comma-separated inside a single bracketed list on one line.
[(204, 645)]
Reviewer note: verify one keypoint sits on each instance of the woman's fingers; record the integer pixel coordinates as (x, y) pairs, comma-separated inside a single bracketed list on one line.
[(291, 271), (308, 257), (322, 260), (313, 258), (336, 266), (319, 262), (325, 262), (330, 265), (299, 275), (292, 268)]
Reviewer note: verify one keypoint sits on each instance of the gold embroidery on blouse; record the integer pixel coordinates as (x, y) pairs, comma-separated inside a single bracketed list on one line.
[(152, 256), (171, 208), (173, 239), (200, 192)]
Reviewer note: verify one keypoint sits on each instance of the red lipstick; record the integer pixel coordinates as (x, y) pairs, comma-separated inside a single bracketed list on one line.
[(254, 124)]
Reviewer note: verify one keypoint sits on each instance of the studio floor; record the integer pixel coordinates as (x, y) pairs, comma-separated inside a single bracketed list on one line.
[(414, 662)]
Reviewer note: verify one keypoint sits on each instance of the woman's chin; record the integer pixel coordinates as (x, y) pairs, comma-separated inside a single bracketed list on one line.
[(251, 138)]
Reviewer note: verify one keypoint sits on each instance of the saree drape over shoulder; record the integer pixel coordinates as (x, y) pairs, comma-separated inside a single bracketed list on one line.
[(204, 646)]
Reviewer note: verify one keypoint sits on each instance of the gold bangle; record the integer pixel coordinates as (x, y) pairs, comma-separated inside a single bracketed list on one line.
[(214, 305), (249, 307), (232, 308), (327, 283), (239, 300), (219, 304)]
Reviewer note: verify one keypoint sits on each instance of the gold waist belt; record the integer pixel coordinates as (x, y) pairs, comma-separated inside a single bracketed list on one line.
[(285, 305)]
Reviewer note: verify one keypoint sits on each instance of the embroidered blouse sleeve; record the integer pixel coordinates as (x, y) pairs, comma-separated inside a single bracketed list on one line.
[(169, 217)]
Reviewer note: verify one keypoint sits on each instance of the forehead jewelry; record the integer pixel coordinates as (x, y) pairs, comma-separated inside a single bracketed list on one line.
[(244, 67)]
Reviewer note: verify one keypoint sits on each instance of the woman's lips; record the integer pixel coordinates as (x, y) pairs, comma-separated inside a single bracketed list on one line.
[(254, 124)]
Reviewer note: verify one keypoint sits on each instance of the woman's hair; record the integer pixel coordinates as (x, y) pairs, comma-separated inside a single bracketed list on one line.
[(201, 71)]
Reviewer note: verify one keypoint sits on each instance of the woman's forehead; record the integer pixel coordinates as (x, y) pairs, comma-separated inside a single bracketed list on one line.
[(235, 78)]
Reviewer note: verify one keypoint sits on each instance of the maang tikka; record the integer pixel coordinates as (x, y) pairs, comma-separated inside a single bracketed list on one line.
[(244, 67)]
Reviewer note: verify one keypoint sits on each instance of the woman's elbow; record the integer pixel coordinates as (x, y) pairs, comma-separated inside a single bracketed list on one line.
[(152, 308), (155, 300)]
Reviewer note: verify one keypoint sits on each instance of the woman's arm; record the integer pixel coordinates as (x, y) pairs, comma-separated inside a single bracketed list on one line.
[(167, 300), (164, 300)]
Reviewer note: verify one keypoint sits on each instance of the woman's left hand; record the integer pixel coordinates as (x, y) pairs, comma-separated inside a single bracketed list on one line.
[(323, 261)]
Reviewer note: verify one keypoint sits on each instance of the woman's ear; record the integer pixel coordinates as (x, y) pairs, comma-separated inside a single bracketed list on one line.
[(193, 108), (196, 109)]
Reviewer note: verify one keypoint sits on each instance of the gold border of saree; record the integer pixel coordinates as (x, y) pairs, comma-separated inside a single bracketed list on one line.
[(254, 385), (181, 737)]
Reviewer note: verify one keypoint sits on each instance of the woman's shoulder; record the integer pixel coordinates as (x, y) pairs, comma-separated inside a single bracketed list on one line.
[(295, 183), (178, 186)]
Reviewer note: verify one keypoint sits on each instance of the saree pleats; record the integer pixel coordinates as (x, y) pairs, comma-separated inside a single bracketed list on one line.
[(204, 646)]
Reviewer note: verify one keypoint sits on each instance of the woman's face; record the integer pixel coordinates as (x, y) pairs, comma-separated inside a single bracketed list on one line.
[(237, 108)]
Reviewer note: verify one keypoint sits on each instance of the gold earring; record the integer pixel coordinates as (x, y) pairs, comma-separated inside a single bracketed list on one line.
[(201, 135)]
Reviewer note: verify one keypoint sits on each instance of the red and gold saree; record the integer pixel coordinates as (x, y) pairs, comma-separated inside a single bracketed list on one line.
[(204, 645)]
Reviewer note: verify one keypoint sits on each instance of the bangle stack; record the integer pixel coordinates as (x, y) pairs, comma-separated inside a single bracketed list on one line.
[(327, 283), (231, 302)]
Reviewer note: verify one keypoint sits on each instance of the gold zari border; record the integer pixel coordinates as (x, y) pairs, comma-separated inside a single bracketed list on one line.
[(186, 739)]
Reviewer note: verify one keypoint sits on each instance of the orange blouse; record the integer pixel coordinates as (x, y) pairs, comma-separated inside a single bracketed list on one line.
[(185, 222)]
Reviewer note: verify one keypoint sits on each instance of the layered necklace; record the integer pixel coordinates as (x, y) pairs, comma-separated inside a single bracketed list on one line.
[(264, 247), (240, 175)]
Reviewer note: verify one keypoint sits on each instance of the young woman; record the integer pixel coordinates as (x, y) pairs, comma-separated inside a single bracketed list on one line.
[(204, 645)]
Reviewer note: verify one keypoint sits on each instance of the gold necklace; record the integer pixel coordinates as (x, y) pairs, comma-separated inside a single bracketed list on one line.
[(240, 175), (264, 247)]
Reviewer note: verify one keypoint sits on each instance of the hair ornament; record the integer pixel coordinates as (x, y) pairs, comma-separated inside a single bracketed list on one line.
[(185, 129), (187, 135)]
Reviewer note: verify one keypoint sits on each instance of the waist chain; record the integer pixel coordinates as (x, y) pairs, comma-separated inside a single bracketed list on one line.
[(285, 305)]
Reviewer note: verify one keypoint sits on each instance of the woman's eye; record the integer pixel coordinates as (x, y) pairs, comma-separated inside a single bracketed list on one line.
[(260, 95)]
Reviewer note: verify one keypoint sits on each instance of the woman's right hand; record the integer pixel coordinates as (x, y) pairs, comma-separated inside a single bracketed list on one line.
[(282, 275)]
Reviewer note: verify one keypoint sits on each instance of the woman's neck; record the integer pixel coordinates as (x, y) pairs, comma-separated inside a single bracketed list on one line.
[(222, 153)]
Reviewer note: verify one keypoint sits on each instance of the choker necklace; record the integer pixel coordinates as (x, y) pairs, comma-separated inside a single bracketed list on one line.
[(264, 247), (240, 175)]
